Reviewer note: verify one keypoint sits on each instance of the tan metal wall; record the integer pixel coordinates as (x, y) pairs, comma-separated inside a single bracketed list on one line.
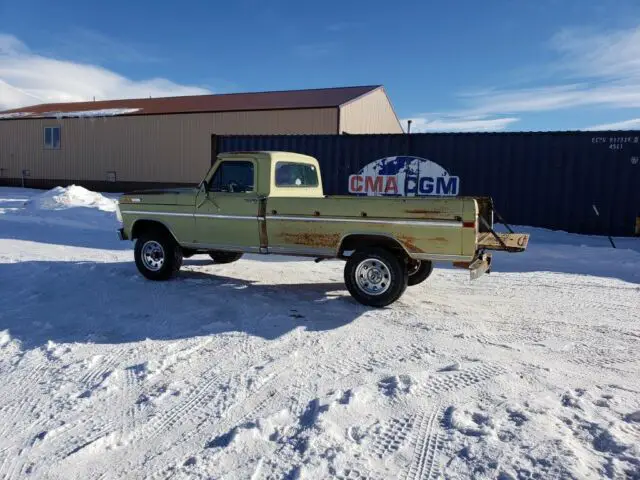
[(371, 113), (158, 148)]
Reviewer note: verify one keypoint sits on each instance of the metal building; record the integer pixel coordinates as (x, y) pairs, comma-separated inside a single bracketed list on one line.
[(122, 144)]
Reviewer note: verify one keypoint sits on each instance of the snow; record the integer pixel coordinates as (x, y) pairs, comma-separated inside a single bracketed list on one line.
[(105, 112), (8, 116), (71, 197), (266, 368)]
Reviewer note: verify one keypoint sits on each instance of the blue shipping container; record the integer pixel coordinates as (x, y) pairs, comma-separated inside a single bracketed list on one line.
[(556, 180)]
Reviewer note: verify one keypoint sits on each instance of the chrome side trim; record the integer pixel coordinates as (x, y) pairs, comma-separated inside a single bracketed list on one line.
[(227, 217), (418, 223), (436, 257), (146, 212), (193, 215)]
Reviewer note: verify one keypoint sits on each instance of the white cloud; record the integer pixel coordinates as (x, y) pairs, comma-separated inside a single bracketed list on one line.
[(27, 78), (632, 124), (599, 69), (461, 124)]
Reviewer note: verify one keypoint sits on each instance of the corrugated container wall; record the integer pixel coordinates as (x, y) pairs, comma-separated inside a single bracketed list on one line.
[(551, 180), (172, 148)]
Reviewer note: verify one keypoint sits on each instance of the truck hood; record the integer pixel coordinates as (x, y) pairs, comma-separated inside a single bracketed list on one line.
[(160, 196)]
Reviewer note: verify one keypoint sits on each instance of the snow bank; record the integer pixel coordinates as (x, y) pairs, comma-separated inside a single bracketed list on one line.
[(61, 198)]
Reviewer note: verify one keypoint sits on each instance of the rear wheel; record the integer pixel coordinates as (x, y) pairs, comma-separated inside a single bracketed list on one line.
[(157, 256), (419, 271), (225, 257), (375, 277)]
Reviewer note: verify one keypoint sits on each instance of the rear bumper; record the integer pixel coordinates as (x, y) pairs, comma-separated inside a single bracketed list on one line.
[(478, 266)]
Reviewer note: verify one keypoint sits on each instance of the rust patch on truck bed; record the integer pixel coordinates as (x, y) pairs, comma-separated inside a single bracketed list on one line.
[(324, 240), (409, 244), (440, 240)]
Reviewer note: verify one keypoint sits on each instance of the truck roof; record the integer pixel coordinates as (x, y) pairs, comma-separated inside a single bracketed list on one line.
[(268, 154)]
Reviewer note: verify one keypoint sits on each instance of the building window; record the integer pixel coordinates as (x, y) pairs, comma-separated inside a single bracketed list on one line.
[(290, 174), (52, 138), (233, 177)]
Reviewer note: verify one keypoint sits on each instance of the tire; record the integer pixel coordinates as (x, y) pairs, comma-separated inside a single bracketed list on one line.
[(225, 257), (419, 271), (382, 263), (157, 255)]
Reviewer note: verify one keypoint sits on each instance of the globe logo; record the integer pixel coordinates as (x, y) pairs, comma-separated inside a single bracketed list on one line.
[(405, 176)]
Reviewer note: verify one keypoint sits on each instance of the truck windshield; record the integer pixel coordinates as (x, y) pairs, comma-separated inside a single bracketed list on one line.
[(236, 177)]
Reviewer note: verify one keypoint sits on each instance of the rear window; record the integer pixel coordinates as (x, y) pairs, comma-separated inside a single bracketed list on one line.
[(291, 174)]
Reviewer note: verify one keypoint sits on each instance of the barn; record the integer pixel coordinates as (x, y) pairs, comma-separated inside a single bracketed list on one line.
[(117, 145)]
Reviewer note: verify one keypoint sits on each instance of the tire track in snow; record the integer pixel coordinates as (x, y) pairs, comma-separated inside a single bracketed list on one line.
[(101, 369), (340, 368), (195, 400), (267, 398), (423, 465), (392, 435), (27, 400), (128, 405), (443, 383)]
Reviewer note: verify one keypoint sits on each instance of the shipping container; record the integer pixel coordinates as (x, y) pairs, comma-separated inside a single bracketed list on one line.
[(582, 182)]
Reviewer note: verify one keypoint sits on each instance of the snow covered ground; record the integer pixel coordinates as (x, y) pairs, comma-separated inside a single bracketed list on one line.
[(266, 368)]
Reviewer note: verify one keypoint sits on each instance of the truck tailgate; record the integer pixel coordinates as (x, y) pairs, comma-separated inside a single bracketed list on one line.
[(511, 242)]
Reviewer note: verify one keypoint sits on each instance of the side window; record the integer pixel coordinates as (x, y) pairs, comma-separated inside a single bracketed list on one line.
[(235, 177), (52, 138), (289, 174)]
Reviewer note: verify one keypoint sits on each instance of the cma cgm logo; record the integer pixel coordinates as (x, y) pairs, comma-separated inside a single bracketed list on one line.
[(405, 176)]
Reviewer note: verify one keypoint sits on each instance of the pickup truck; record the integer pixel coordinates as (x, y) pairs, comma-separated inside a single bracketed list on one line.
[(273, 203)]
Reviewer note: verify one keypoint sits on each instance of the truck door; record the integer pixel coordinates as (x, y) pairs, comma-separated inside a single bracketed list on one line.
[(226, 214)]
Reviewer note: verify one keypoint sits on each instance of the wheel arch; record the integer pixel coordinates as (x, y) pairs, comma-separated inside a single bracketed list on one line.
[(144, 224), (351, 241)]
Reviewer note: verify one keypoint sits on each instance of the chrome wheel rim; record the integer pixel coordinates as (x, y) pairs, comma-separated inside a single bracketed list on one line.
[(373, 277), (152, 255), (414, 266)]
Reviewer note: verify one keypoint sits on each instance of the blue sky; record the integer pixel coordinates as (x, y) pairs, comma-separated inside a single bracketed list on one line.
[(459, 65)]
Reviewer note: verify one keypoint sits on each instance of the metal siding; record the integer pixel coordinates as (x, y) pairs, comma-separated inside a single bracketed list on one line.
[(371, 113), (158, 148), (547, 179)]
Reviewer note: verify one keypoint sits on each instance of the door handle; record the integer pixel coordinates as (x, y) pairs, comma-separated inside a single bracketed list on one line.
[(251, 200)]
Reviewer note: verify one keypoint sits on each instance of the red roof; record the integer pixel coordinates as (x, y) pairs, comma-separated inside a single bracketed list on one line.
[(228, 102)]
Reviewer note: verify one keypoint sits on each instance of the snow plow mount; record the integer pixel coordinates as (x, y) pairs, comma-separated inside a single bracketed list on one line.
[(477, 267)]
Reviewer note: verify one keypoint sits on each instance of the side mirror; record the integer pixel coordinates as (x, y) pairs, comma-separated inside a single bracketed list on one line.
[(202, 187)]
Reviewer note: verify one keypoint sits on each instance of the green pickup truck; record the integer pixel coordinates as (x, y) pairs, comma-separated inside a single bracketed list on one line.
[(273, 203)]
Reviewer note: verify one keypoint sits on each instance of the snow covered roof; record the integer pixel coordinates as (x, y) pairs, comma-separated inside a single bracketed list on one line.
[(229, 102), (105, 112)]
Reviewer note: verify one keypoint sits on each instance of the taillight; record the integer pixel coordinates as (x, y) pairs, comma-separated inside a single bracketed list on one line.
[(469, 225)]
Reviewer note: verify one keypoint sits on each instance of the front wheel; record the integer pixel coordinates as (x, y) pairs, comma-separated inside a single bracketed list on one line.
[(419, 271), (375, 277), (157, 256)]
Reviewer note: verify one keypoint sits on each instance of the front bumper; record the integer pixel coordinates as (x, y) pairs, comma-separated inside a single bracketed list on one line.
[(121, 234)]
